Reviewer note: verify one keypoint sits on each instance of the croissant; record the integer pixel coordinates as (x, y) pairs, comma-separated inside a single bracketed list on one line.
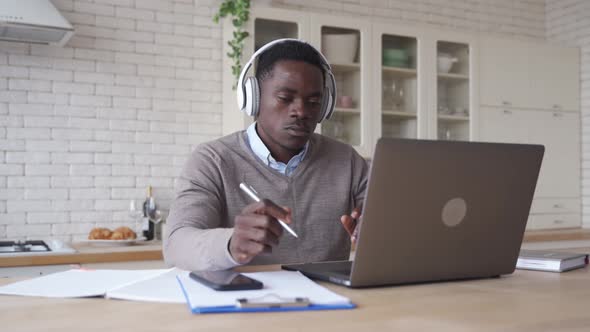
[(99, 233), (123, 233)]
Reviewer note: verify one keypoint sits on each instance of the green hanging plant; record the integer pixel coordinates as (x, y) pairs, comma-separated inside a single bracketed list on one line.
[(239, 11)]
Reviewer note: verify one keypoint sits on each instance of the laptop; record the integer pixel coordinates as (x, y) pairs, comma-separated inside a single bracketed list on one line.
[(437, 211)]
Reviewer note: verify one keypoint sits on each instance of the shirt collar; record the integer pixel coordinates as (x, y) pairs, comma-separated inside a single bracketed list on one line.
[(263, 153)]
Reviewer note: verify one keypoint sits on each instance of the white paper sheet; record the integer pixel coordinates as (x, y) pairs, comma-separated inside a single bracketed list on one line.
[(78, 283), (163, 288), (285, 284)]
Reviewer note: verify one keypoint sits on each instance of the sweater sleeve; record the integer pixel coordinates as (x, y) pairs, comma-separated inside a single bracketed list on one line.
[(196, 240)]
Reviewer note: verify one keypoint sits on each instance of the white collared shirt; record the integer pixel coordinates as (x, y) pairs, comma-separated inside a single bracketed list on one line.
[(263, 153)]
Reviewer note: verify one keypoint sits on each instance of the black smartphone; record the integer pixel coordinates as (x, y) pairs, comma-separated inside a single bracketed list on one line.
[(225, 280)]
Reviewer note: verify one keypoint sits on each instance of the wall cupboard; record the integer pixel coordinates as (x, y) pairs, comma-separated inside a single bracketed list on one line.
[(417, 82)]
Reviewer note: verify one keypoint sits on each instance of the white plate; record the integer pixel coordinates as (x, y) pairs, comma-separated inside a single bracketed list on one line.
[(114, 242)]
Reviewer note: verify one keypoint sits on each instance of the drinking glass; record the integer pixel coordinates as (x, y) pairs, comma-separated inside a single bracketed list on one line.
[(157, 217), (136, 214)]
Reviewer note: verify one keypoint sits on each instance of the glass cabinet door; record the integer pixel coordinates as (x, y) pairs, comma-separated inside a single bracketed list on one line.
[(399, 86), (264, 26), (453, 99), (267, 30), (344, 44), (341, 48)]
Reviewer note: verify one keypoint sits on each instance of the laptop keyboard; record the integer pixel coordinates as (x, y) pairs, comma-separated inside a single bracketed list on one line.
[(341, 267)]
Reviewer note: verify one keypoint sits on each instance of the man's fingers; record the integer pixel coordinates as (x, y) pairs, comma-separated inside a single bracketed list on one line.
[(257, 230), (268, 207), (263, 236), (348, 223), (246, 222), (247, 250)]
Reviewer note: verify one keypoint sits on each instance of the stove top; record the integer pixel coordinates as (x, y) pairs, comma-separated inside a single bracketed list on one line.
[(23, 246)]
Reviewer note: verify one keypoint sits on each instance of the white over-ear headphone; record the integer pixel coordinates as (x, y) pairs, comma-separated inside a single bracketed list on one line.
[(249, 90)]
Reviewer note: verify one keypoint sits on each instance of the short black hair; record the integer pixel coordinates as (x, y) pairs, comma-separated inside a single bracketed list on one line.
[(287, 50)]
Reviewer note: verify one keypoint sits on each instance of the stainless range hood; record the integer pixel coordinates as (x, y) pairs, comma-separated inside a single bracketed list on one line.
[(33, 21)]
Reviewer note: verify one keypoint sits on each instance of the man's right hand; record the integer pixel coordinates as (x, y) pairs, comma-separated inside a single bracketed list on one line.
[(257, 230)]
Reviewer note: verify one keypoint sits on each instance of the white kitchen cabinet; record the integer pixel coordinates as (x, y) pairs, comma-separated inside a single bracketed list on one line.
[(264, 25), (559, 132), (503, 72), (388, 82), (390, 85), (455, 93), (553, 221), (530, 94), (504, 125), (555, 205), (351, 121), (551, 84), (346, 44), (417, 98), (399, 81), (527, 74), (556, 201), (547, 213)]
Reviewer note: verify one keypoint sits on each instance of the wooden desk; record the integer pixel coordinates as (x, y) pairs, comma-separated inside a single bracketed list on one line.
[(523, 301)]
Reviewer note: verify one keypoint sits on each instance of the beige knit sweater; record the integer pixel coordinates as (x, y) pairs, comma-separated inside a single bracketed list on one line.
[(329, 182)]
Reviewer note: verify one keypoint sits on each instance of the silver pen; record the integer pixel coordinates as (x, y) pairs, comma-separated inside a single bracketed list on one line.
[(253, 194)]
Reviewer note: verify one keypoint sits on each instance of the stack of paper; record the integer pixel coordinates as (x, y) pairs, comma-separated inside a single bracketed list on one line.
[(122, 284), (279, 284), (175, 286)]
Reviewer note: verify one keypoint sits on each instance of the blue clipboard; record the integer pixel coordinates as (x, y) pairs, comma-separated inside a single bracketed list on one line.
[(270, 303)]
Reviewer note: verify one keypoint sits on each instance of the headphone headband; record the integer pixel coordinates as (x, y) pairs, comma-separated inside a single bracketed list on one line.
[(244, 87)]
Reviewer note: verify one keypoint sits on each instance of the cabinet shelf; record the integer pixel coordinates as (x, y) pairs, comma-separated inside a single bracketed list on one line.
[(451, 76), (343, 110), (345, 67), (399, 114), (399, 71), (459, 118)]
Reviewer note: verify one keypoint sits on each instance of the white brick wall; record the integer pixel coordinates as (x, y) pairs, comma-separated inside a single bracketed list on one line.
[(85, 128), (568, 22)]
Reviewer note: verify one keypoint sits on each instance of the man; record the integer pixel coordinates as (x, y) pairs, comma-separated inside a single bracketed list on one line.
[(310, 181)]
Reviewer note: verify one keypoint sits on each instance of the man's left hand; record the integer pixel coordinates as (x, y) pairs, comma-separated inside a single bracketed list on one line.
[(350, 223)]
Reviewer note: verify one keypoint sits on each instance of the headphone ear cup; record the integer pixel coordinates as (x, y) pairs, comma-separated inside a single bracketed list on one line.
[(326, 101), (329, 100), (255, 97), (252, 95)]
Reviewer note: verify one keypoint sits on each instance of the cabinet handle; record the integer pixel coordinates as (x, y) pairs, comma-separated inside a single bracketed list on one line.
[(556, 106), (557, 115), (558, 221), (508, 112), (506, 103), (557, 206)]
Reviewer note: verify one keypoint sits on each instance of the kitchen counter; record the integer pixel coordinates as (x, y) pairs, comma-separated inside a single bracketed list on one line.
[(152, 250), (87, 253)]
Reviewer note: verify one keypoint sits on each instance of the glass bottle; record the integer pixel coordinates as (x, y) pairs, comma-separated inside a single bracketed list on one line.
[(149, 208)]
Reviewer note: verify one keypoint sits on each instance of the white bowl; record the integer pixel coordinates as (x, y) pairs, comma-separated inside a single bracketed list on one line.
[(340, 48), (445, 63)]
